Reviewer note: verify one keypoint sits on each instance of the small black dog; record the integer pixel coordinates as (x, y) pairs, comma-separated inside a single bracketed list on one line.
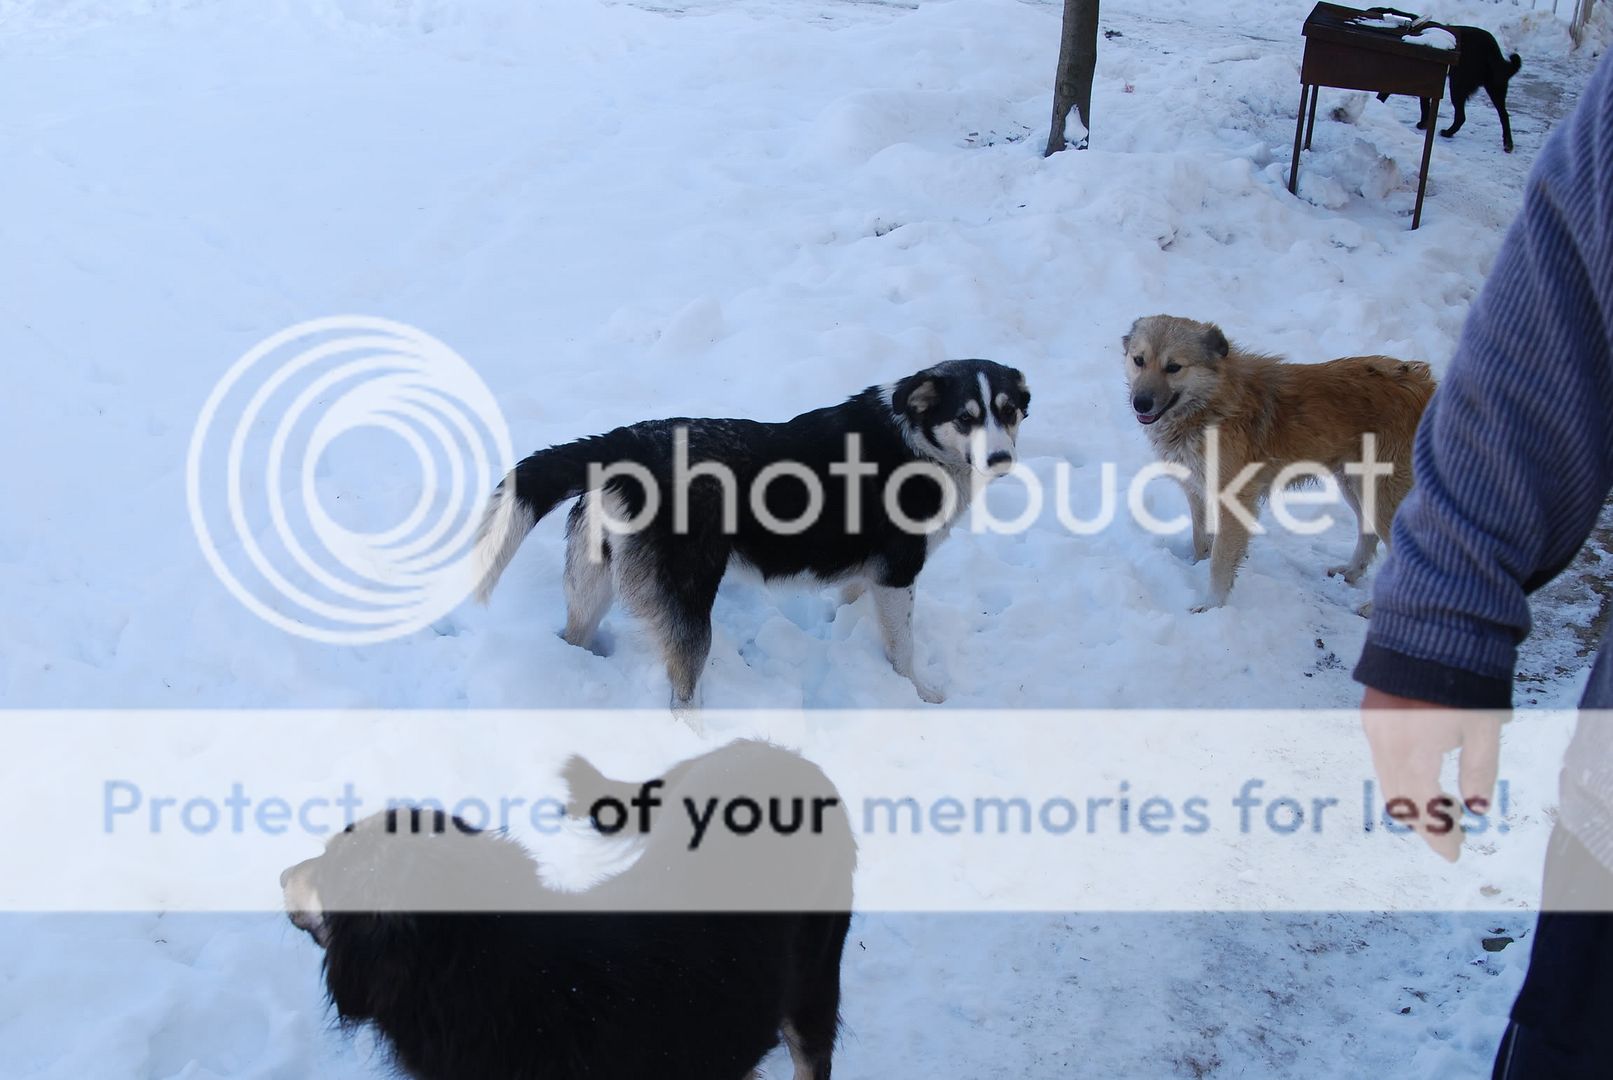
[(686, 966), (1480, 63)]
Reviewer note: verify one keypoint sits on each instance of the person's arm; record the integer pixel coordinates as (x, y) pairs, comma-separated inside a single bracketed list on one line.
[(1514, 456), (1513, 461)]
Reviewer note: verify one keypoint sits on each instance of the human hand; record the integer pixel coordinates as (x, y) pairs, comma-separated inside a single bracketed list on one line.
[(1409, 740)]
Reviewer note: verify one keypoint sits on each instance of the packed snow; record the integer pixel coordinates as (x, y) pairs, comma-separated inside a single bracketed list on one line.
[(617, 211)]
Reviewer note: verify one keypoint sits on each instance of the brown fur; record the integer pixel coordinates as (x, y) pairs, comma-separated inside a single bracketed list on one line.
[(1272, 414)]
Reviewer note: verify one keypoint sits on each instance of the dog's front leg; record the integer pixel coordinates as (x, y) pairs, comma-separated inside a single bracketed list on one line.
[(1201, 532), (1461, 116), (1226, 555), (894, 606)]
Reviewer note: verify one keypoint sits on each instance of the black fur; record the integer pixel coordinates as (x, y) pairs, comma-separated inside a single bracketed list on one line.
[(593, 992), (1480, 63), (827, 549), (676, 570)]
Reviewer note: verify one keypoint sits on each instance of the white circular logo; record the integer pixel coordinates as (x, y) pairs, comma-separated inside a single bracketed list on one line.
[(262, 441)]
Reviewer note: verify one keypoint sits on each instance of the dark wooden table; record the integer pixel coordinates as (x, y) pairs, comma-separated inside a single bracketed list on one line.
[(1341, 53)]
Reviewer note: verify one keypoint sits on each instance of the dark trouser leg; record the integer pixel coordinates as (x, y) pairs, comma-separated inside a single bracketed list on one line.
[(1560, 1023)]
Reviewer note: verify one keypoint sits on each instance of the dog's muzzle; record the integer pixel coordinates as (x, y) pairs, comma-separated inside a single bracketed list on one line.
[(999, 464), (302, 903), (1144, 417)]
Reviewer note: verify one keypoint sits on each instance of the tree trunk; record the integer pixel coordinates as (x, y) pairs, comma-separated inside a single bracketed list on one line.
[(1078, 60)]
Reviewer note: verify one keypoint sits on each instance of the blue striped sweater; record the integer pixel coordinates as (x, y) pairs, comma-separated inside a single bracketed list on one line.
[(1513, 462)]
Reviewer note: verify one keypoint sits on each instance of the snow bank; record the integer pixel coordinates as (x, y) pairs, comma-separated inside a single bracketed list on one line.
[(732, 209)]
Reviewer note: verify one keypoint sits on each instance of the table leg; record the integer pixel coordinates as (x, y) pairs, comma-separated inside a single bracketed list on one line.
[(1310, 124), (1428, 152), (1299, 134)]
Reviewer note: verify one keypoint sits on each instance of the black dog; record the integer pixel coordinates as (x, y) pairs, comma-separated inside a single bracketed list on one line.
[(1480, 64), (686, 966)]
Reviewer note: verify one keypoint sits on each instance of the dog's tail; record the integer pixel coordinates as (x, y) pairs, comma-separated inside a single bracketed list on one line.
[(534, 487), (1416, 372), (1413, 379), (1516, 62)]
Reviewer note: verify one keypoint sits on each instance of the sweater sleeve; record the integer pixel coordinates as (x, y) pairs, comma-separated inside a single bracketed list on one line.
[(1514, 456)]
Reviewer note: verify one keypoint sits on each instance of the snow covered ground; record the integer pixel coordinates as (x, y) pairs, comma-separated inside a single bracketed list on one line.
[(618, 211)]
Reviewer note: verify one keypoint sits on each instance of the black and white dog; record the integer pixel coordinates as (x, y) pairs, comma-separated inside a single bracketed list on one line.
[(688, 965), (857, 493)]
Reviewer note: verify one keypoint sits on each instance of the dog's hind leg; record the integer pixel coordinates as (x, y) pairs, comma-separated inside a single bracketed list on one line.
[(1388, 497), (686, 645), (1366, 538), (1395, 489), (812, 1005), (686, 631), (1498, 98), (894, 606), (671, 583), (588, 576)]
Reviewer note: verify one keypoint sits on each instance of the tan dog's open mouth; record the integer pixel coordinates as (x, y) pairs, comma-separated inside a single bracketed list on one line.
[(1149, 418)]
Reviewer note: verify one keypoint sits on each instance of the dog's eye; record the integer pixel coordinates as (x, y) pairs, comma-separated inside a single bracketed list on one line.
[(1138, 361), (1172, 369)]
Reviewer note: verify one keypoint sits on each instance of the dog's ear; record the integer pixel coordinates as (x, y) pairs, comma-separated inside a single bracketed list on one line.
[(1125, 339), (1023, 396), (1215, 341), (916, 394)]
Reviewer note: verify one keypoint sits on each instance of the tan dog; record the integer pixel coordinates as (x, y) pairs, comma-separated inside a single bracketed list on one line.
[(1202, 398)]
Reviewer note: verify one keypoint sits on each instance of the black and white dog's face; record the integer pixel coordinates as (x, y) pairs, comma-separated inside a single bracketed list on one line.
[(964, 413)]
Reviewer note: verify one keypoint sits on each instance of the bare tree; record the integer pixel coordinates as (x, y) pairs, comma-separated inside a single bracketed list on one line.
[(1078, 60)]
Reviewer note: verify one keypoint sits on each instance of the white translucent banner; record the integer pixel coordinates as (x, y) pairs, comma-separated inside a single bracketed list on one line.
[(948, 811)]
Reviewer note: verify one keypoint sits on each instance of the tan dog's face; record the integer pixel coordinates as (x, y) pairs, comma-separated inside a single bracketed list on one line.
[(1170, 361)]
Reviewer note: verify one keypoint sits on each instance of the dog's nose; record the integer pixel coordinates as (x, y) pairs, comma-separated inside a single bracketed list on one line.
[(1143, 403), (1001, 459)]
